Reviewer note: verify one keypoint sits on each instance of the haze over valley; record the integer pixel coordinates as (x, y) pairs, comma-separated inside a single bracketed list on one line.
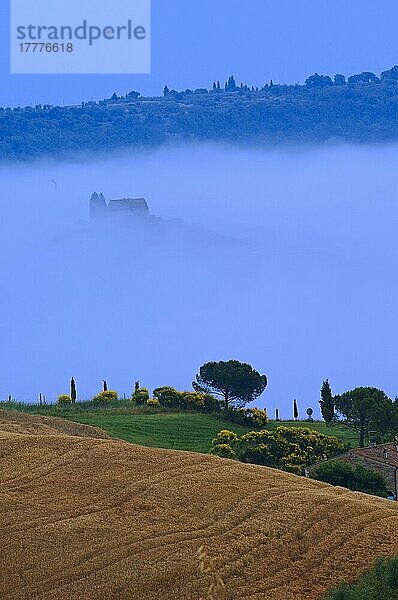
[(284, 259)]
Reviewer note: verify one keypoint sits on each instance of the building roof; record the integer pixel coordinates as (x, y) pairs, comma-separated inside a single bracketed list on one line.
[(376, 454), (133, 204), (373, 454)]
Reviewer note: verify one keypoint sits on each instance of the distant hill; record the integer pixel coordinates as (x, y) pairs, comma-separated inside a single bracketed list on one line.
[(17, 423), (86, 518), (363, 108)]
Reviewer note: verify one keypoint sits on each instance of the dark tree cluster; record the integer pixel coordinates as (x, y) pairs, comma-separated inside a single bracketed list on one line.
[(358, 478), (366, 410), (235, 382), (380, 582), (360, 108)]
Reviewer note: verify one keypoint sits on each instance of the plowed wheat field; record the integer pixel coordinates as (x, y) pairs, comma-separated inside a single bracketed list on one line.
[(90, 518), (15, 423)]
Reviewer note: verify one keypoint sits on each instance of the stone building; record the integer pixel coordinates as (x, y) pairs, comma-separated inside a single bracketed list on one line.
[(383, 459), (130, 207)]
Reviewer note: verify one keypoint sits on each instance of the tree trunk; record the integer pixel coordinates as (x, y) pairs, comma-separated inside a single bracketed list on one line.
[(226, 401), (362, 435)]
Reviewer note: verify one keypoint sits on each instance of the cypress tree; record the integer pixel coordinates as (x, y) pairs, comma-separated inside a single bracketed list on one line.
[(105, 386), (327, 402), (231, 84), (295, 410), (73, 394)]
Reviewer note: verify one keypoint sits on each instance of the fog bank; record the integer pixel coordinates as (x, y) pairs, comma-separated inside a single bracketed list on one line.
[(283, 259)]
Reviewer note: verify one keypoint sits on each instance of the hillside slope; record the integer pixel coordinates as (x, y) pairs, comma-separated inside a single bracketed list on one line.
[(16, 423), (357, 112), (89, 519), (176, 431)]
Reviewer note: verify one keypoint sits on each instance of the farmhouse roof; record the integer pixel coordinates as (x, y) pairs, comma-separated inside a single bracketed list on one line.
[(129, 203), (377, 453)]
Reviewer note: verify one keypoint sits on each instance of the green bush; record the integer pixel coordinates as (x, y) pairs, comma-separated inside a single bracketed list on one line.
[(210, 403), (249, 417), (64, 400), (381, 583), (198, 401), (192, 401), (140, 396), (225, 437), (357, 478), (225, 451), (336, 473), (152, 402), (106, 396), (370, 482), (287, 448), (167, 396), (263, 448), (259, 416)]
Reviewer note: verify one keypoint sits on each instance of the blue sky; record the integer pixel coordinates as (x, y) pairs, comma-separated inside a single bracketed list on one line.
[(196, 42)]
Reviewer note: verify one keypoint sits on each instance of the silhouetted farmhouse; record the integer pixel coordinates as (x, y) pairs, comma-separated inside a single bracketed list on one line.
[(136, 207)]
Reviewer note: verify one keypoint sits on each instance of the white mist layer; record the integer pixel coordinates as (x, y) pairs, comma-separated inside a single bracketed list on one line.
[(284, 259)]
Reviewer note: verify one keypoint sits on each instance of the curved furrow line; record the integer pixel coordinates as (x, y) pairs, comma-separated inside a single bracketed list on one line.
[(112, 501), (211, 528), (208, 532), (311, 564), (368, 517), (152, 544), (73, 455), (151, 510), (161, 543)]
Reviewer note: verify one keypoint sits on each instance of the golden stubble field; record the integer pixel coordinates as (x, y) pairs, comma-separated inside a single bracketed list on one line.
[(91, 518), (15, 423)]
